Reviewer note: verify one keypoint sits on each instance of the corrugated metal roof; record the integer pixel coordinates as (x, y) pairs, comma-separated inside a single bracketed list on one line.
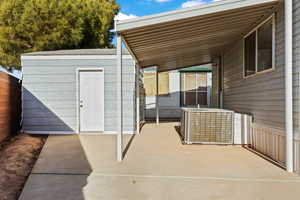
[(76, 52), (192, 36)]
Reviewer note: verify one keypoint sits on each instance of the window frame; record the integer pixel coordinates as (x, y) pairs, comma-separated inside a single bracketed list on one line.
[(154, 74), (272, 17), (184, 93)]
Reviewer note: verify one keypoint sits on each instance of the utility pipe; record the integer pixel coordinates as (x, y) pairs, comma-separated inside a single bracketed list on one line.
[(288, 4)]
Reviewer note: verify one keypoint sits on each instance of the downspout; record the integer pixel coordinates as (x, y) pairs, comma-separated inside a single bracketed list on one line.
[(288, 4)]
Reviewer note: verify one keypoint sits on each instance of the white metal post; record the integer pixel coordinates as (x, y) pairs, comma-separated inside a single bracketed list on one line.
[(119, 100), (289, 85), (156, 97), (137, 79)]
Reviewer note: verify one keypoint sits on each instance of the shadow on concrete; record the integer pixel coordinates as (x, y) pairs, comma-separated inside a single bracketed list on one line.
[(257, 153), (178, 131), (128, 146), (61, 171)]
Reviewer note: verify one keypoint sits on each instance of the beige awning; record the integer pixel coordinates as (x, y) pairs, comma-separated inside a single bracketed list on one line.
[(191, 36)]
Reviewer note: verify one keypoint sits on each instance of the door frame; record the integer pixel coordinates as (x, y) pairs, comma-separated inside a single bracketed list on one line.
[(78, 70)]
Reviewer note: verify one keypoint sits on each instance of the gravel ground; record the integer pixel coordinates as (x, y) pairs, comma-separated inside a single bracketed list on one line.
[(17, 157)]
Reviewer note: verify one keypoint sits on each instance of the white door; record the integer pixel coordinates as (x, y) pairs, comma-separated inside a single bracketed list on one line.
[(91, 100)]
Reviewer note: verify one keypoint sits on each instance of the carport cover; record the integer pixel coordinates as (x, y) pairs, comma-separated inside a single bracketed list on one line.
[(192, 36)]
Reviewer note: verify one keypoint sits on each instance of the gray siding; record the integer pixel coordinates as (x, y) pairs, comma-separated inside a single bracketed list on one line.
[(296, 64), (215, 83), (261, 95), (49, 94)]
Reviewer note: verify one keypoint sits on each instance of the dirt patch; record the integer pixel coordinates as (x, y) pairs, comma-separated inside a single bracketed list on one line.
[(17, 157)]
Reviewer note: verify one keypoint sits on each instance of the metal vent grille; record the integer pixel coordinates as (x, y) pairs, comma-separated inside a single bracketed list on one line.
[(207, 126)]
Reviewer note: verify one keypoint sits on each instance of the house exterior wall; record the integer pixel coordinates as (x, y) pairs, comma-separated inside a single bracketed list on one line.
[(296, 67), (169, 105), (49, 94), (262, 95)]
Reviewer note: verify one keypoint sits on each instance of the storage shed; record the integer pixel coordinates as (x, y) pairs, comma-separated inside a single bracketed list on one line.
[(75, 91)]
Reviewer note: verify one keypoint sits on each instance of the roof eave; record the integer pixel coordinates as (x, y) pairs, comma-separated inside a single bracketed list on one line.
[(181, 14)]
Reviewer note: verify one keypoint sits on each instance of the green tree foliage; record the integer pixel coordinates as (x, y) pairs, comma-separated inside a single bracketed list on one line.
[(38, 25)]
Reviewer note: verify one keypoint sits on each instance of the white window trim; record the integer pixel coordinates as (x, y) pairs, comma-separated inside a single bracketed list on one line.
[(256, 54)]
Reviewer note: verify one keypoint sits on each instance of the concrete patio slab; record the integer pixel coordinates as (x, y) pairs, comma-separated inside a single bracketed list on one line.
[(79, 187), (156, 166)]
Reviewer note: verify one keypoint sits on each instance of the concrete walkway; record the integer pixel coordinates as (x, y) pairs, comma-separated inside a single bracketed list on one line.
[(157, 166)]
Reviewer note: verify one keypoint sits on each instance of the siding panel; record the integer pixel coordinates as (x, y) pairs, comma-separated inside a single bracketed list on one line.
[(261, 95), (49, 94), (296, 66)]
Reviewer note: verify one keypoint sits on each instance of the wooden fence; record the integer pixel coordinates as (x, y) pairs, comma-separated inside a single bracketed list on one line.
[(10, 105)]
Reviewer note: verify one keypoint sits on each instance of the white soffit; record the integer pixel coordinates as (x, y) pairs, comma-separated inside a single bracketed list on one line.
[(191, 36)]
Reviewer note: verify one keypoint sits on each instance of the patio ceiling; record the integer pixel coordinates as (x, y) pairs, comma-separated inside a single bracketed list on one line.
[(191, 36)]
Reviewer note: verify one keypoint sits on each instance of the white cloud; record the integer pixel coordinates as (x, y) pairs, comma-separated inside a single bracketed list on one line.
[(162, 1), (192, 3), (121, 16)]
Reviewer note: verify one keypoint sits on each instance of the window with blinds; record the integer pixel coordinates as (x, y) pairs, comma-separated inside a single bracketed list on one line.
[(194, 89), (150, 83)]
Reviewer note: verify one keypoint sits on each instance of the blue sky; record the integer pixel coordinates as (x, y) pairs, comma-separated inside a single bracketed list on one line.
[(132, 8)]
